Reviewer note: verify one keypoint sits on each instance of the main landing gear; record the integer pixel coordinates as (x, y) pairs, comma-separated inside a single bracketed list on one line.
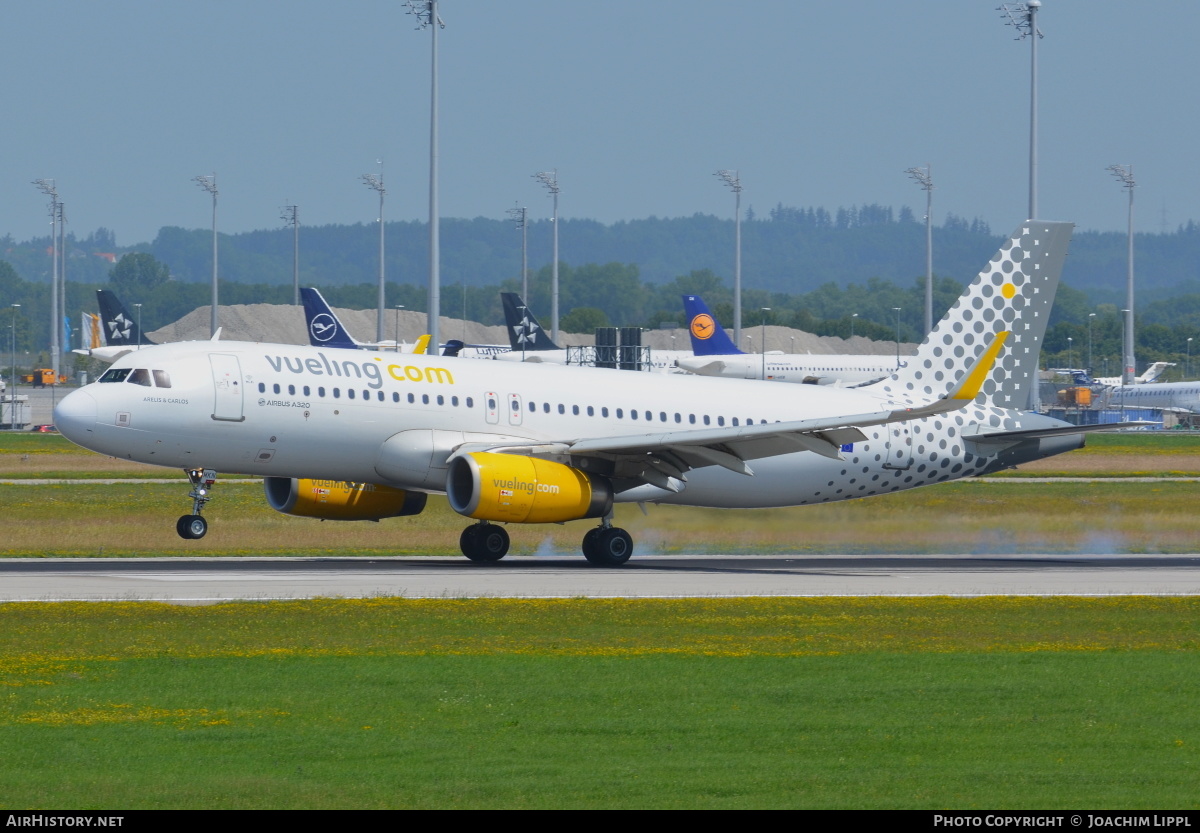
[(193, 526), (484, 542), (607, 545), (487, 543)]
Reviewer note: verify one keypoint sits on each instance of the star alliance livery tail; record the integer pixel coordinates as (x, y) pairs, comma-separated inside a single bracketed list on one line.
[(120, 330), (525, 334), (708, 337), (324, 328)]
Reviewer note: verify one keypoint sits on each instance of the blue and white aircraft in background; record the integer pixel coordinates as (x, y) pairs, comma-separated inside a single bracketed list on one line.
[(715, 354)]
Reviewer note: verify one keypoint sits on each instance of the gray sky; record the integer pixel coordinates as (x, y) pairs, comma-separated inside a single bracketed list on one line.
[(636, 104)]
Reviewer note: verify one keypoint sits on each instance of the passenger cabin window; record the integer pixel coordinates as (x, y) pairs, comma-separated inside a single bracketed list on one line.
[(140, 376)]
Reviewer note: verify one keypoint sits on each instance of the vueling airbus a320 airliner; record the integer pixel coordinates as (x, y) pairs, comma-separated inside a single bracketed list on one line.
[(361, 435)]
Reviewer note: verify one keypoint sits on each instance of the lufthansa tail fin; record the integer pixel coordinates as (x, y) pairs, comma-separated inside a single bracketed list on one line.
[(708, 336), (324, 328), (524, 331), (1003, 312), (120, 329)]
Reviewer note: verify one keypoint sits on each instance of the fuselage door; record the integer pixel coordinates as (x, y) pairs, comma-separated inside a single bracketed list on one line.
[(899, 446), (492, 403), (514, 409), (227, 381)]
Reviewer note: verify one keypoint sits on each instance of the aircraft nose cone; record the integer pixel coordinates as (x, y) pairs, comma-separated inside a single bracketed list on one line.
[(75, 416)]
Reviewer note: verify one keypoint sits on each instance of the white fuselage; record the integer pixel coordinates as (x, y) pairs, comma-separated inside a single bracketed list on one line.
[(297, 411), (793, 367), (1178, 396)]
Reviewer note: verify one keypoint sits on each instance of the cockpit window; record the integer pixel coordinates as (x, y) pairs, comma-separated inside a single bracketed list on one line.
[(115, 374), (162, 379), (140, 376)]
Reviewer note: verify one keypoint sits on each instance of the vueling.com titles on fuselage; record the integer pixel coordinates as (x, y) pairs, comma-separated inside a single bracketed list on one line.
[(372, 371)]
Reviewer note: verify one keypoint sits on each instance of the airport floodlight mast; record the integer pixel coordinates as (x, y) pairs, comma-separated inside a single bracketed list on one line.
[(1091, 318), (1124, 174), (763, 311), (731, 179), (46, 186), (209, 184), (924, 178), (427, 17), (12, 392), (139, 322), (1023, 18), (398, 308), (550, 180), (376, 182), (519, 216), (291, 216)]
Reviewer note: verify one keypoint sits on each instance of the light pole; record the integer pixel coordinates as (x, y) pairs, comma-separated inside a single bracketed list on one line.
[(897, 311), (398, 308), (1125, 352), (291, 215), (734, 182), (550, 180), (46, 186), (139, 323), (1091, 318), (1069, 362), (764, 311), (853, 315), (209, 184), (427, 17), (12, 393), (1124, 174), (518, 216), (376, 183), (1189, 358), (1023, 17), (924, 178), (749, 343)]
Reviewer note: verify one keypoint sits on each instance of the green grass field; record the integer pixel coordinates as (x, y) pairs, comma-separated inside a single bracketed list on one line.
[(932, 703)]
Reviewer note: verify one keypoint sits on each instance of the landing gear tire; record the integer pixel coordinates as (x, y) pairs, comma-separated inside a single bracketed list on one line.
[(191, 527), (484, 543), (607, 547), (589, 543)]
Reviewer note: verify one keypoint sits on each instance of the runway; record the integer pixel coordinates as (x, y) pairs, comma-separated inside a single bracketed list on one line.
[(201, 581)]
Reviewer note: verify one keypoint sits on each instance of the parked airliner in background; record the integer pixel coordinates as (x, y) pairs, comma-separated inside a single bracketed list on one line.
[(1151, 373), (715, 354), (530, 343), (1169, 396), (325, 329), (366, 435), (122, 334)]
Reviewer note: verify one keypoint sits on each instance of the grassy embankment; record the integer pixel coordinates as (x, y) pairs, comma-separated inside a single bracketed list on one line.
[(931, 703), (993, 515)]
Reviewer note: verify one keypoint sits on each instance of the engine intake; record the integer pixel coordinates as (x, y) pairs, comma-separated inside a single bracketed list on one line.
[(524, 490), (338, 500)]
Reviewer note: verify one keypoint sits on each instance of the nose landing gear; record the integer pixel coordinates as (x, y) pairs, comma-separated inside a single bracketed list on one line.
[(192, 527)]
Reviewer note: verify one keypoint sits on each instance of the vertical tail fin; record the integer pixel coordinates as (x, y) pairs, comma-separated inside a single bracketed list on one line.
[(1013, 294), (324, 328), (120, 329), (708, 336), (524, 331)]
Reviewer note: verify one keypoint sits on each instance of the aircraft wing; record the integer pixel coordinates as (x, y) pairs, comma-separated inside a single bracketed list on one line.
[(663, 458)]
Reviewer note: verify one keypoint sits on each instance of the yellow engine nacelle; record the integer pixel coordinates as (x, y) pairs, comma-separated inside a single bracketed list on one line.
[(338, 500), (524, 490)]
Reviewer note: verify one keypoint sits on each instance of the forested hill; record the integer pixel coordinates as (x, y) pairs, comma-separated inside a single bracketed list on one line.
[(787, 250)]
